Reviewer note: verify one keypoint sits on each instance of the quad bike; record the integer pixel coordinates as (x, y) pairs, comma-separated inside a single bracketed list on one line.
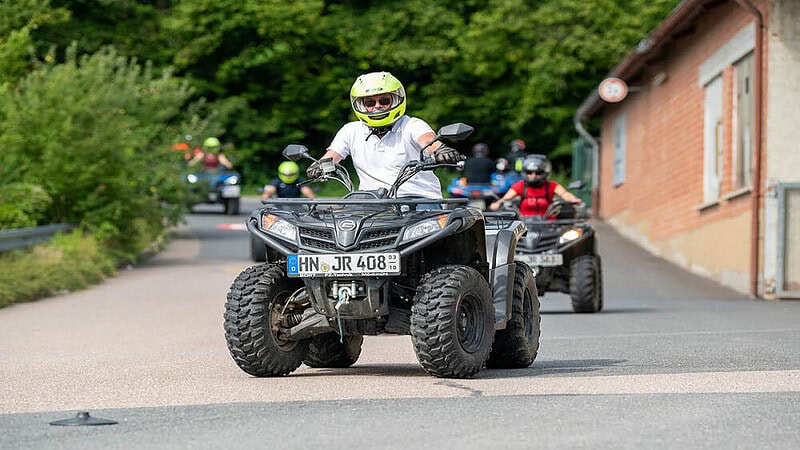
[(372, 263), (561, 247), (217, 186), (479, 195)]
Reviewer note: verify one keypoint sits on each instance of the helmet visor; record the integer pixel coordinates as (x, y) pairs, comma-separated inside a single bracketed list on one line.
[(386, 101)]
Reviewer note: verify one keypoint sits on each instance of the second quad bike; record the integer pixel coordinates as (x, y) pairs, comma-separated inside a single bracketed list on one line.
[(561, 247), (217, 186), (373, 263)]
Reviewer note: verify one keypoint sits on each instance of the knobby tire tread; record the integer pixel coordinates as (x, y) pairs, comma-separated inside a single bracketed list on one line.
[(433, 322), (247, 328), (512, 349)]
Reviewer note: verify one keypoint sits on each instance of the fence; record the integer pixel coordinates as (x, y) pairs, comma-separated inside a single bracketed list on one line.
[(24, 237)]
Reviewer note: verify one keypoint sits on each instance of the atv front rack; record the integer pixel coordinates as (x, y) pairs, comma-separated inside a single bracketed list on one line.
[(365, 201)]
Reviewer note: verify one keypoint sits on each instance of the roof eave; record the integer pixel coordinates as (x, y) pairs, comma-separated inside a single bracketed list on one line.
[(633, 62)]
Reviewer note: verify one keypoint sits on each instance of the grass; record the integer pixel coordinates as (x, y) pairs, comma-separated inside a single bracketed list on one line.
[(67, 263)]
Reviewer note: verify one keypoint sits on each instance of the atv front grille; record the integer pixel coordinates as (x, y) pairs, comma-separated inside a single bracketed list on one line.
[(322, 239), (545, 243), (373, 238)]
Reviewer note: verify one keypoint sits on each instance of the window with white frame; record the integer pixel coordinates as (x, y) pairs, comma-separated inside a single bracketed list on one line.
[(712, 141), (620, 147), (744, 116)]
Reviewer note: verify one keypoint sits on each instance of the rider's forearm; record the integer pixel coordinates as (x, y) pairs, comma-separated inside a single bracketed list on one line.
[(425, 139), (332, 154)]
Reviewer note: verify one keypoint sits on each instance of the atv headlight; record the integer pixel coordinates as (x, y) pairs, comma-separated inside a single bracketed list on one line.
[(192, 178), (233, 179), (570, 235), (279, 227), (424, 228)]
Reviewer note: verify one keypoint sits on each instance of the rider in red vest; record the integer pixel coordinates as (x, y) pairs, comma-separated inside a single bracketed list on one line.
[(211, 157), (536, 189)]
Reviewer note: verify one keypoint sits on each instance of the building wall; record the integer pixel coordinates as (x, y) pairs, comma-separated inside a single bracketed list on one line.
[(783, 144), (660, 204)]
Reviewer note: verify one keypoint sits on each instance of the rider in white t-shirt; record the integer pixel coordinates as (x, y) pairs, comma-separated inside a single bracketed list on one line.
[(384, 139)]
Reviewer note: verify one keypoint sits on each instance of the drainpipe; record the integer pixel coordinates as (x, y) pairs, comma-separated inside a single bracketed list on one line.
[(579, 114), (758, 85)]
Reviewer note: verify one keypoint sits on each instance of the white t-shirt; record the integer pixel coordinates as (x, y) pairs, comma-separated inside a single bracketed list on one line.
[(379, 160)]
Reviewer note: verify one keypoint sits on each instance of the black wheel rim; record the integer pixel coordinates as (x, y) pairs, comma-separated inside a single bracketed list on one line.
[(275, 327), (470, 323)]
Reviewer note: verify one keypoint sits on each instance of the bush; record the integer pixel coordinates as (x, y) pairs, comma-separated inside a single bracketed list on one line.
[(94, 132), (67, 263), (23, 205)]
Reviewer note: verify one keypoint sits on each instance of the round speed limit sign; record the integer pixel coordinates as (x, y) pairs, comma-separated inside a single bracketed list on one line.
[(613, 90)]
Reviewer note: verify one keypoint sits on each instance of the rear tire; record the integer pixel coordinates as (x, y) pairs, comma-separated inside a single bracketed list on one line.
[(258, 250), (585, 285), (253, 322), (325, 351), (516, 346), (452, 322)]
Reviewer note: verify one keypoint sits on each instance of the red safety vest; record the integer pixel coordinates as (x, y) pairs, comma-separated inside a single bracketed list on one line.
[(535, 200), (210, 161)]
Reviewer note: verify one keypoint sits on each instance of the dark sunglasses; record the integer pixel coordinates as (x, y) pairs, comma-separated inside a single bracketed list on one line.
[(384, 101), (535, 172)]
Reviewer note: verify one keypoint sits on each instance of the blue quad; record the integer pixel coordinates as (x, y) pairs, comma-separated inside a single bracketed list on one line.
[(217, 186), (481, 195)]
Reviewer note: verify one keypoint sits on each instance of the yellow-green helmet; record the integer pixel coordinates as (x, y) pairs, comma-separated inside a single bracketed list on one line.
[(212, 144), (288, 171), (376, 83)]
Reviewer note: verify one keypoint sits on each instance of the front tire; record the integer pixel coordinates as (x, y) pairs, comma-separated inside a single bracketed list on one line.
[(516, 346), (585, 284), (325, 351), (253, 322), (232, 206), (452, 322)]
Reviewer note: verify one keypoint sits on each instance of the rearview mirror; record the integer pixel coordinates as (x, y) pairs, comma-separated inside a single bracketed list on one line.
[(295, 152), (456, 131), (575, 185)]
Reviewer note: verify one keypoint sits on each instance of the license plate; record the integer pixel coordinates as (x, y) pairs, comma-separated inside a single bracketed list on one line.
[(343, 265), (231, 191), (544, 259)]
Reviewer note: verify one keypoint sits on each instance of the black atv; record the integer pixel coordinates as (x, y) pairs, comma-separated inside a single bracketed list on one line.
[(372, 263), (561, 247)]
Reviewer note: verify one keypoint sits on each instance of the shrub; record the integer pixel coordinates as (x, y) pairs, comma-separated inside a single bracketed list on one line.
[(22, 205), (68, 262), (94, 132)]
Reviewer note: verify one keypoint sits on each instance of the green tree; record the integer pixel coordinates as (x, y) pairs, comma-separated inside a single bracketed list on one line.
[(94, 132)]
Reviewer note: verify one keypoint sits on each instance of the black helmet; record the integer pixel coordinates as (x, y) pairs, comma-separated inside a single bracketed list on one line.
[(536, 169), (480, 149), (517, 145)]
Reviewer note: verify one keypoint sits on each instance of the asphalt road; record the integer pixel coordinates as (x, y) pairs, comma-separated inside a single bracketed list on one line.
[(674, 361)]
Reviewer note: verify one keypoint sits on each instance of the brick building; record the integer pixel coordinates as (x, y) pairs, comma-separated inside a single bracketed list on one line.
[(700, 162)]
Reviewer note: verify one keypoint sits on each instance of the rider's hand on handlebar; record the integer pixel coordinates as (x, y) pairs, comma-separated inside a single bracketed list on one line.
[(314, 170), (447, 155)]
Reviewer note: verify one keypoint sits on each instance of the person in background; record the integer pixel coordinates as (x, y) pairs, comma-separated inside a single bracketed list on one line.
[(211, 157), (383, 139), (516, 154), (536, 189), (287, 184), (479, 168)]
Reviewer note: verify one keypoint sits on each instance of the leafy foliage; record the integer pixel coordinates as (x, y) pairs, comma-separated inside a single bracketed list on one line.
[(92, 132), (23, 205), (67, 263)]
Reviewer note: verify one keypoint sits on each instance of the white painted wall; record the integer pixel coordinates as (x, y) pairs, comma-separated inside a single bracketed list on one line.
[(782, 124)]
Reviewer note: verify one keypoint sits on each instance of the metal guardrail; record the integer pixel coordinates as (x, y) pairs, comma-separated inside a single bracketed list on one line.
[(24, 237)]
